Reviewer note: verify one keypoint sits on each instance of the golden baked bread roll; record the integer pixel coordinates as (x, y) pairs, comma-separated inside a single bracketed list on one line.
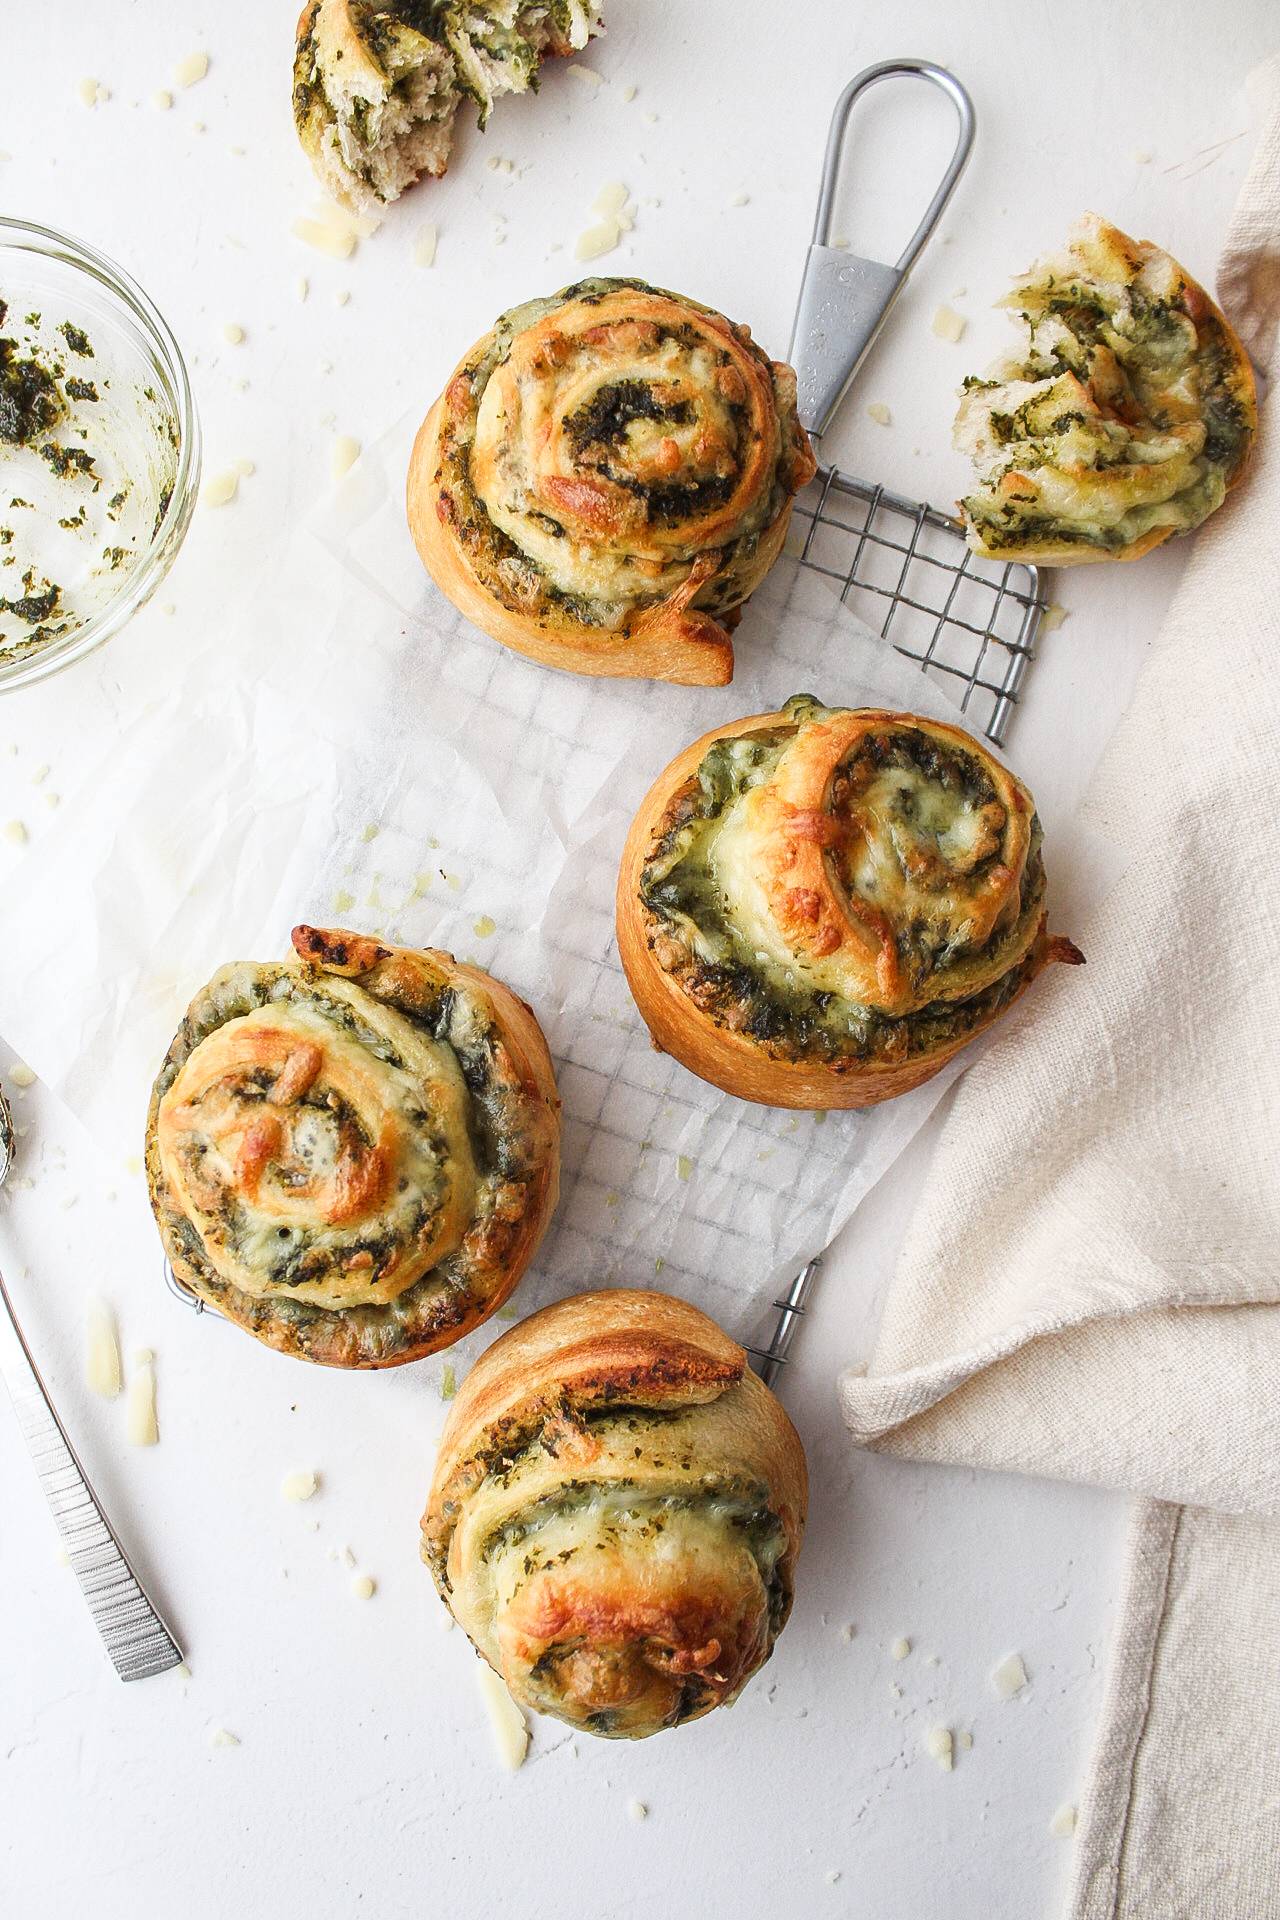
[(606, 477), (353, 1154), (616, 1512), (377, 83), (1126, 419), (818, 907)]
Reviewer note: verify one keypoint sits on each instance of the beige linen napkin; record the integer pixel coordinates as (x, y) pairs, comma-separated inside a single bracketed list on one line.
[(1091, 1286)]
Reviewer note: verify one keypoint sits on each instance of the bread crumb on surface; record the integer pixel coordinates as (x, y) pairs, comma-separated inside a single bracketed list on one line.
[(191, 70), (300, 1485), (940, 1746), (1063, 1823), (1009, 1677), (507, 1724), (948, 324)]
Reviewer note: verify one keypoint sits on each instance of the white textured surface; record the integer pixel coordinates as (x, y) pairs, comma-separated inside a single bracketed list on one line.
[(364, 1778)]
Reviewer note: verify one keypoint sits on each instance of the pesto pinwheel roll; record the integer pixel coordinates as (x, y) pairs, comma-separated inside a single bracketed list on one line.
[(818, 907), (606, 477), (377, 83), (1125, 418), (353, 1154), (616, 1511)]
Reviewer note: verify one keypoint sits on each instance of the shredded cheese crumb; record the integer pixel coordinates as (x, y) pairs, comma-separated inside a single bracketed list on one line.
[(221, 489), (102, 1350), (363, 1587), (611, 199), (964, 1740), (628, 94), (298, 1486), (162, 99), (141, 1407), (182, 1670), (1063, 1823), (192, 70), (1143, 157), (878, 412), (21, 1075), (848, 1631), (637, 1809), (940, 1746), (448, 1382), (88, 93), (16, 832), (302, 286), (1053, 616), (223, 1737), (948, 324), (343, 901), (246, 469), (343, 455), (342, 296), (484, 926), (509, 1727), (684, 1166), (424, 251), (740, 200), (1009, 1677), (233, 334), (339, 242), (587, 75), (900, 1649), (597, 240)]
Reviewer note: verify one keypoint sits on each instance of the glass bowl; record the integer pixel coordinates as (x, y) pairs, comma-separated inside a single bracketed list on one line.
[(99, 471)]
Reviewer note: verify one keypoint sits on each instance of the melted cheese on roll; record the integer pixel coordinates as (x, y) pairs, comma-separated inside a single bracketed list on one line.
[(353, 1154), (1125, 420)]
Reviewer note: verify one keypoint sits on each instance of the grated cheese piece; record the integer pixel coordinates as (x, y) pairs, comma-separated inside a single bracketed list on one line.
[(339, 242), (448, 1382), (424, 252), (964, 1741), (684, 1166), (611, 199), (162, 99), (587, 75), (102, 1349), (948, 324), (740, 200), (221, 489), (508, 1725), (597, 240), (1052, 617), (1063, 1823), (16, 832), (21, 1075), (1009, 1677), (848, 1631), (363, 1587), (342, 296), (900, 1649), (298, 1486), (878, 412), (637, 1810), (246, 469), (140, 1410), (343, 901), (484, 927), (41, 773), (302, 286), (1143, 157), (189, 72), (223, 1737), (940, 1746), (628, 94), (233, 334), (343, 455), (87, 92)]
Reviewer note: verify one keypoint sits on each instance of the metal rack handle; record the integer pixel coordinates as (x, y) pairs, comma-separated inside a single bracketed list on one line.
[(844, 298)]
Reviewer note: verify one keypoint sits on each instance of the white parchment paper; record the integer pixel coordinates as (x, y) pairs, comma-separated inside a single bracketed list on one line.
[(353, 752)]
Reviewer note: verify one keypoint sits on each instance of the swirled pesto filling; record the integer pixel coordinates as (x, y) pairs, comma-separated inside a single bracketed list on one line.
[(437, 1173), (695, 931), (670, 437), (1129, 412)]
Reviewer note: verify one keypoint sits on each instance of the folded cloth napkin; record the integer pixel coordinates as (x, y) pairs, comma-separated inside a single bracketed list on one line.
[(1091, 1287)]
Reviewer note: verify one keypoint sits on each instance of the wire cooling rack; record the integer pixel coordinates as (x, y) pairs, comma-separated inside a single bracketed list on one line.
[(906, 570)]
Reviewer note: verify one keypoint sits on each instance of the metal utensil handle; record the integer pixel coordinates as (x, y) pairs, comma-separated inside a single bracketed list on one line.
[(136, 1638), (845, 299), (769, 1361)]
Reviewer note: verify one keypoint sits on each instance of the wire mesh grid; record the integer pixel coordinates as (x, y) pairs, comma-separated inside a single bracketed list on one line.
[(906, 570)]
